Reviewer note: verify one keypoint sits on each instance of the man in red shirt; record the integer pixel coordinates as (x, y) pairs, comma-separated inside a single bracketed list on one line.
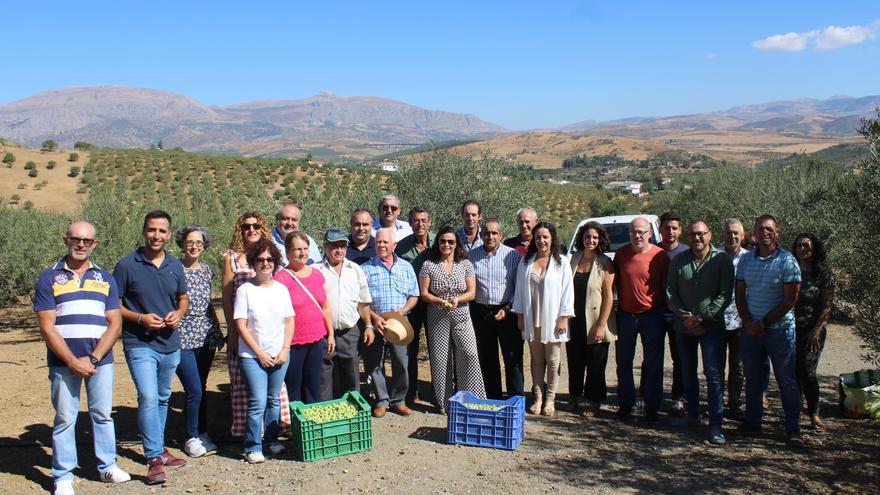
[(641, 280)]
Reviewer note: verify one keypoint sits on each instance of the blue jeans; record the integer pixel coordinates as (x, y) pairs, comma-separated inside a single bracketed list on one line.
[(264, 402), (712, 346), (650, 326), (779, 345), (193, 373), (152, 372), (303, 378), (66, 387)]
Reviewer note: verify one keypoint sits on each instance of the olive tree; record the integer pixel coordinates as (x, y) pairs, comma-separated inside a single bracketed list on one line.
[(441, 181)]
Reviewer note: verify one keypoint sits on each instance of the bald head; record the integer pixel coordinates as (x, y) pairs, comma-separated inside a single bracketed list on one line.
[(80, 240), (640, 234)]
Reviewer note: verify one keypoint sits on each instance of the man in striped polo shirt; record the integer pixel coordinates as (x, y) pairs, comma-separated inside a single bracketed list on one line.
[(767, 285), (77, 305)]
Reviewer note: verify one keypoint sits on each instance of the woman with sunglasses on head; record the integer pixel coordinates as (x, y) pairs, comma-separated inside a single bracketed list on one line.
[(200, 337), (447, 284), (543, 303), (264, 324), (249, 229), (811, 313)]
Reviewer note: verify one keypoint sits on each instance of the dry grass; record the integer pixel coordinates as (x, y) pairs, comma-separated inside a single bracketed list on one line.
[(58, 195)]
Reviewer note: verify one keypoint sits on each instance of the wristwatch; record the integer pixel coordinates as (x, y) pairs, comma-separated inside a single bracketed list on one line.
[(94, 360)]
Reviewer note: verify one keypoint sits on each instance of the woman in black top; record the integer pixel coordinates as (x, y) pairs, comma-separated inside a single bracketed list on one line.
[(811, 313)]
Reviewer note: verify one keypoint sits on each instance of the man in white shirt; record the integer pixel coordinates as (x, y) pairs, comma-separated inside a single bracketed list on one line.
[(348, 298), (287, 220)]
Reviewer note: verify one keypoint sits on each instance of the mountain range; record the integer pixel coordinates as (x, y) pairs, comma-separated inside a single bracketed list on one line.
[(337, 127)]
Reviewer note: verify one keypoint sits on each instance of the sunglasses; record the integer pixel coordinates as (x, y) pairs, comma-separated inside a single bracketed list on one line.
[(76, 240), (390, 207), (251, 226), (450, 242), (264, 259)]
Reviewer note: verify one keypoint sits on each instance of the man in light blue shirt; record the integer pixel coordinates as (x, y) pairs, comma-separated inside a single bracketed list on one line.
[(767, 285), (469, 232), (393, 288), (287, 220)]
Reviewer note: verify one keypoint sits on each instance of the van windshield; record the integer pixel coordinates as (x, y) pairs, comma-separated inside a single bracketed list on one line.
[(618, 234)]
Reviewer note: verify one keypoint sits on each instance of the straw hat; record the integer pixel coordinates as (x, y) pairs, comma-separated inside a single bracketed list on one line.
[(398, 331)]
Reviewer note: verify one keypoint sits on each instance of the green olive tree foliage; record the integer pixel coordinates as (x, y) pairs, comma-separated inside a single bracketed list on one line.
[(862, 219), (49, 145), (441, 181)]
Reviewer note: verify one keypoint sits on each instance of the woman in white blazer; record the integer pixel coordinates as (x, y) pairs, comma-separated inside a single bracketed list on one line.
[(593, 327), (543, 303)]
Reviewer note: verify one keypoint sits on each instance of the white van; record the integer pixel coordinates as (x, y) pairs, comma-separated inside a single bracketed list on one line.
[(618, 230)]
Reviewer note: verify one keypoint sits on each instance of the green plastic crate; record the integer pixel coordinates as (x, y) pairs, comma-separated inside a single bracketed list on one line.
[(313, 441)]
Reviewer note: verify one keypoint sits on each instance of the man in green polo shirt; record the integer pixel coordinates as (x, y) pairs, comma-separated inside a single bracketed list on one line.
[(699, 288)]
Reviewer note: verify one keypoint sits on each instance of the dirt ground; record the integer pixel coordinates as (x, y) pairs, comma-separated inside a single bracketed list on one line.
[(58, 195), (562, 454)]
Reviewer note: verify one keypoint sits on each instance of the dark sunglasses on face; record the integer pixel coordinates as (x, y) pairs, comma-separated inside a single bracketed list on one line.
[(268, 260), (390, 207), (250, 226), (76, 240), (450, 242)]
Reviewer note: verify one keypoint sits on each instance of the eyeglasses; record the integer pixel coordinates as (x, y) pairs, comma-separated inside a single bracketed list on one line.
[(268, 260), (251, 226), (450, 242), (390, 207), (639, 233), (76, 240), (698, 234), (194, 244)]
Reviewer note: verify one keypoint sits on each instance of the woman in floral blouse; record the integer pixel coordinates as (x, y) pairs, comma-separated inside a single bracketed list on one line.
[(200, 337)]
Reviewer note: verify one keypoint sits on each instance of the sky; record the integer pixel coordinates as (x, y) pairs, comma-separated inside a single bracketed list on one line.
[(522, 65)]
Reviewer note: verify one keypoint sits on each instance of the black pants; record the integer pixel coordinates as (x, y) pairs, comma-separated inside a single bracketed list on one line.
[(490, 333), (418, 319), (734, 369), (805, 366), (589, 359)]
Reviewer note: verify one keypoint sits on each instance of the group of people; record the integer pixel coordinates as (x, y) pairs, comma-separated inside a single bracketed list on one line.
[(300, 322)]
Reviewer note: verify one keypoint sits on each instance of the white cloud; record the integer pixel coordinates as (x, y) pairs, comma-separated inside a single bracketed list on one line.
[(788, 42), (834, 37), (830, 38)]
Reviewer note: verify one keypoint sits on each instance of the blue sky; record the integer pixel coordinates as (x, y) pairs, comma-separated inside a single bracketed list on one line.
[(513, 63)]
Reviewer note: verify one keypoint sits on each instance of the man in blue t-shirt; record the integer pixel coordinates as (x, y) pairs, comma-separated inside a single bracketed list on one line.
[(77, 306), (154, 299), (767, 285)]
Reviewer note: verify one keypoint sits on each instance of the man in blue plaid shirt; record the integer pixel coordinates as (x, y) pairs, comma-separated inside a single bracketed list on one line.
[(393, 287)]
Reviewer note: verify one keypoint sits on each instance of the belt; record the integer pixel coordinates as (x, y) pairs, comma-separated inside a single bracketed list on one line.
[(492, 306)]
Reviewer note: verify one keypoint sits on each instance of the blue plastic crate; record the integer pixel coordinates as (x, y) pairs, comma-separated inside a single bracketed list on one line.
[(501, 429)]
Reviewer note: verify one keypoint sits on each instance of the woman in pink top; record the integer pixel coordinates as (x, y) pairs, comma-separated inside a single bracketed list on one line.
[(311, 323)]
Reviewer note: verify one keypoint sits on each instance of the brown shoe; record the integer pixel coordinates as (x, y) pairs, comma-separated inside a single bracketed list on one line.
[(401, 409), (171, 461), (379, 412), (156, 471)]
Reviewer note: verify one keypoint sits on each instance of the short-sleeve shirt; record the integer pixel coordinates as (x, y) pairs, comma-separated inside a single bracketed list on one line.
[(447, 285), (80, 307), (390, 288), (265, 309), (145, 288), (309, 321), (732, 321), (641, 278), (344, 291), (361, 256), (199, 327), (764, 278), (809, 303), (495, 274)]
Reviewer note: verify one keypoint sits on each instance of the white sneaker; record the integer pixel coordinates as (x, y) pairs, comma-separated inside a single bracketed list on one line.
[(255, 458), (275, 448), (63, 487), (115, 475), (194, 447), (207, 443)]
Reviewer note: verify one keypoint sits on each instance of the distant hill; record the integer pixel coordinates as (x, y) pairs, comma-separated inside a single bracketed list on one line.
[(338, 126), (834, 117)]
